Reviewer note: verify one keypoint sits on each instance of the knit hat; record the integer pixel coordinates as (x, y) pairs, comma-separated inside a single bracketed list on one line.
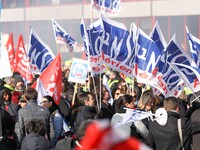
[(18, 78)]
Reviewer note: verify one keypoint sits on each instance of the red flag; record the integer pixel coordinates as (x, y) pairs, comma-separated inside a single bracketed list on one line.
[(10, 48), (22, 61), (51, 79), (101, 136)]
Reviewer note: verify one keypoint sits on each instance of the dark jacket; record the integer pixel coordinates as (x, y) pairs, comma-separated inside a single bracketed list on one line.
[(35, 142), (8, 125), (66, 144), (84, 113), (107, 111), (167, 137), (195, 138), (33, 111)]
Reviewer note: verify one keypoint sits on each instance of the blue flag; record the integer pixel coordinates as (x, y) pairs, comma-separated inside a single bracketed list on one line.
[(110, 44), (194, 44), (39, 53), (190, 75), (157, 36), (147, 57), (62, 37), (168, 79), (107, 6)]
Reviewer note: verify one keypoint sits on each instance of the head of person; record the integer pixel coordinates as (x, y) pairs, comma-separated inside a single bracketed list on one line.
[(36, 126), (9, 83), (19, 83), (6, 95), (30, 94), (171, 104), (48, 101), (113, 75), (147, 101), (105, 94), (22, 101), (87, 99), (116, 93), (127, 101)]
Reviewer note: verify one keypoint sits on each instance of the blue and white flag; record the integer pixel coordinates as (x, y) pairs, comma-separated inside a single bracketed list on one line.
[(112, 45), (62, 37), (112, 7), (194, 44), (39, 53), (135, 115), (168, 80), (147, 57), (190, 75), (157, 36), (93, 50)]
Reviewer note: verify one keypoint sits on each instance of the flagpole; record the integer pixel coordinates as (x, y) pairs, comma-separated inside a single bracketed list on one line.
[(75, 91)]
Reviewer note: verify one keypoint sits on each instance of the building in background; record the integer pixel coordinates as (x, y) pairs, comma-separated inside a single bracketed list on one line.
[(17, 16)]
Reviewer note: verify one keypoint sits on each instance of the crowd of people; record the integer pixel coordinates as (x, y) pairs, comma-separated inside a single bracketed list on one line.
[(28, 125)]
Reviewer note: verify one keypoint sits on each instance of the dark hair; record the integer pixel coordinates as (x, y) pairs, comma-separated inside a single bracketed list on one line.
[(36, 126), (125, 99), (5, 91), (114, 91), (30, 94), (82, 98), (54, 105)]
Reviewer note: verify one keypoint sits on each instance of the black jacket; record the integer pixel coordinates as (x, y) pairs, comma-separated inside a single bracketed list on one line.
[(84, 113), (33, 111), (33, 141), (167, 137)]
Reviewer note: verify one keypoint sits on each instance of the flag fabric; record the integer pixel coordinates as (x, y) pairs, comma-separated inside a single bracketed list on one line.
[(112, 7), (51, 79), (135, 115), (41, 91), (110, 44), (62, 37), (190, 75), (39, 53), (5, 69), (167, 80), (157, 36), (194, 44), (84, 35), (91, 34), (147, 57), (98, 133), (11, 54), (22, 61)]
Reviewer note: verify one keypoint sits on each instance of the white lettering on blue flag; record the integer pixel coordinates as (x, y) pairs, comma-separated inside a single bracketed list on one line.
[(40, 55)]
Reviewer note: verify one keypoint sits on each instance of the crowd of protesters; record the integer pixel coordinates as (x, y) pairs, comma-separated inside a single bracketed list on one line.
[(26, 124)]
